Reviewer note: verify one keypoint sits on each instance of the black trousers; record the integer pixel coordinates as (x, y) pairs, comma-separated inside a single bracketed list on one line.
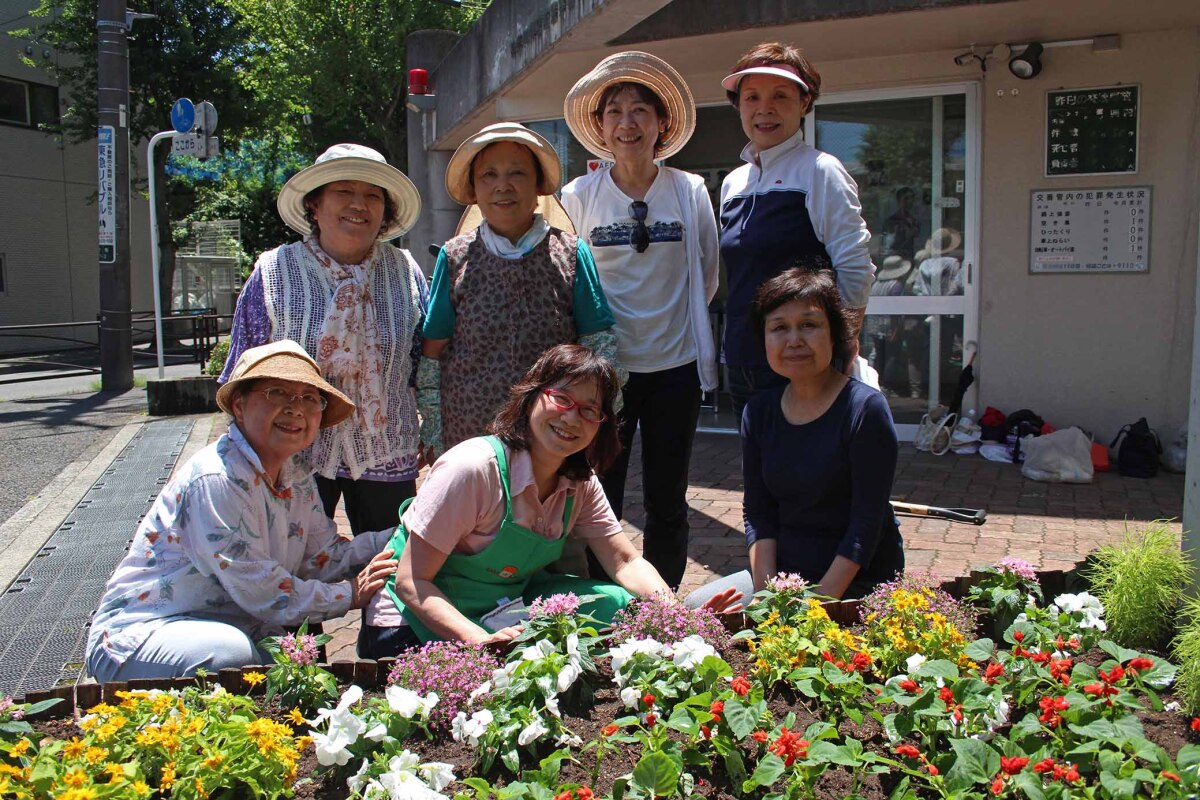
[(370, 505), (666, 406)]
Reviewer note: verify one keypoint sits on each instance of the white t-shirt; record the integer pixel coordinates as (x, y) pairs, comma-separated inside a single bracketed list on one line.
[(648, 291)]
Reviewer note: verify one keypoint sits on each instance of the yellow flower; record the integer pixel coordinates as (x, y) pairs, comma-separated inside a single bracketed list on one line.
[(95, 755), (200, 790), (195, 726), (303, 742), (295, 716), (75, 778), (19, 749), (77, 794), (162, 702), (254, 678), (141, 787), (214, 761), (168, 776), (116, 772)]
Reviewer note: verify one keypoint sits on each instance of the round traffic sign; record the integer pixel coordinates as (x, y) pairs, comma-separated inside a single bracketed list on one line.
[(183, 115), (206, 115)]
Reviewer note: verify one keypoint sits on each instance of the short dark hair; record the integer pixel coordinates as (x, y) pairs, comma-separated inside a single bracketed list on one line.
[(570, 363), (539, 174), (390, 212), (773, 54), (643, 93), (815, 287)]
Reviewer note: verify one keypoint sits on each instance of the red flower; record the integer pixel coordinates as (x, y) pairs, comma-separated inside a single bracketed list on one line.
[(1045, 765), (1072, 775), (759, 736), (741, 685), (1012, 765), (648, 699), (908, 750), (861, 661), (609, 730), (931, 769), (993, 672), (1171, 776), (651, 720), (1136, 665), (998, 785), (705, 732), (1099, 689), (1060, 669), (1196, 724), (1051, 706), (1018, 636), (828, 656), (718, 707), (909, 685), (563, 795), (789, 746), (946, 695), (1115, 674), (584, 793)]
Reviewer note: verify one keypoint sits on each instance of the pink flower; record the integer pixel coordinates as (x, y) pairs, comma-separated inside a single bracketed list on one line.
[(566, 605), (300, 650), (1018, 567)]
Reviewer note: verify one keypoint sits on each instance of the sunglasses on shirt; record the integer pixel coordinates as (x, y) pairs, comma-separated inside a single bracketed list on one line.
[(639, 237)]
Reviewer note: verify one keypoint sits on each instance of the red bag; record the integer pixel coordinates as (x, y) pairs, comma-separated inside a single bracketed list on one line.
[(1099, 457)]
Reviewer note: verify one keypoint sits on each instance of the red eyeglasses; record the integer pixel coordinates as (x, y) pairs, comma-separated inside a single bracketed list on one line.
[(564, 402)]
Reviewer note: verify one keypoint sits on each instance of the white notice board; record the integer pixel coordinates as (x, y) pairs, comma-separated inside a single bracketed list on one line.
[(1090, 230)]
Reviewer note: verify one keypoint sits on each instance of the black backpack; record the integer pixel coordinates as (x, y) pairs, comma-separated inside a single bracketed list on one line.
[(1139, 451)]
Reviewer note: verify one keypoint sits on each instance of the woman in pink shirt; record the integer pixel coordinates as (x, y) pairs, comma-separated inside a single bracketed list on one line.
[(496, 511)]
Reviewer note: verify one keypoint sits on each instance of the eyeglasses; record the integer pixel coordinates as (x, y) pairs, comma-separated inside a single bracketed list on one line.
[(639, 237), (309, 401), (564, 402)]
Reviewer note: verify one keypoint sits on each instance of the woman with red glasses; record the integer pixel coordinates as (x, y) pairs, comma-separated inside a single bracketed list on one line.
[(496, 511)]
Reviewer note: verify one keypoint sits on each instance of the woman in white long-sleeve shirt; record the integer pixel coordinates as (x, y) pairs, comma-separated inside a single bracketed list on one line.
[(653, 235)]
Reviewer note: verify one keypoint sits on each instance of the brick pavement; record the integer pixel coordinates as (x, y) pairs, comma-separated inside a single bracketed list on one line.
[(1053, 526)]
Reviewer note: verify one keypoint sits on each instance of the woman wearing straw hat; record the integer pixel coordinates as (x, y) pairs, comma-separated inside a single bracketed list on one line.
[(355, 303), (789, 205), (514, 282), (238, 545), (654, 236)]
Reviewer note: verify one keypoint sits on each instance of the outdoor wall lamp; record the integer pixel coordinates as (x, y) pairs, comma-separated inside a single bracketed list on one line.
[(419, 96), (1028, 63)]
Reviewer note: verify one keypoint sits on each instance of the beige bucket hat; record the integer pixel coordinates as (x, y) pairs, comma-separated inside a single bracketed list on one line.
[(286, 361), (458, 171), (350, 162), (631, 67)]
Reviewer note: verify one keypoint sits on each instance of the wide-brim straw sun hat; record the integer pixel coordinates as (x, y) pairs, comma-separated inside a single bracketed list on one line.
[(458, 171), (548, 206), (944, 240), (286, 361), (350, 162), (631, 67)]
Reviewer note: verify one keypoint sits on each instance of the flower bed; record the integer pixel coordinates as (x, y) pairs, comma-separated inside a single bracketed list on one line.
[(804, 702)]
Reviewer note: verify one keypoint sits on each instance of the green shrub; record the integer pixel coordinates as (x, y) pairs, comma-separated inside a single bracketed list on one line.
[(216, 359), (1186, 652), (1141, 583)]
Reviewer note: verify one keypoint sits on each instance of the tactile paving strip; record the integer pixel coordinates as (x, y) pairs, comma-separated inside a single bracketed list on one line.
[(45, 613)]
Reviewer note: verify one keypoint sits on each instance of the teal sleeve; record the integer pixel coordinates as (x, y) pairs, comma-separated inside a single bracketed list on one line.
[(592, 313), (440, 319)]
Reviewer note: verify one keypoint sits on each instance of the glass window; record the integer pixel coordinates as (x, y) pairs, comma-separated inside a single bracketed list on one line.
[(43, 104), (14, 101)]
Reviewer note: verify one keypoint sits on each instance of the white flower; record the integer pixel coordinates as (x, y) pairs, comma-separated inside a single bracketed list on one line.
[(437, 774), (537, 652), (629, 697), (480, 691), (377, 733), (914, 662), (404, 785), (691, 651), (1091, 609), (358, 780), (343, 730), (572, 644), (568, 740), (623, 652), (552, 706), (568, 675), (404, 702), (1173, 707), (999, 715), (501, 678), (475, 727), (532, 732)]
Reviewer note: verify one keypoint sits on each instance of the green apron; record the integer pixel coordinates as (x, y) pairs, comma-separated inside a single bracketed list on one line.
[(512, 566)]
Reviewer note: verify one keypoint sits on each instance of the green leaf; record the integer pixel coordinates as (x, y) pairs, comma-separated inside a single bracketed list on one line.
[(735, 766), (980, 650), (511, 760), (1030, 785), (1118, 787), (976, 763), (938, 667), (742, 718), (657, 773), (766, 773), (682, 720), (1188, 756), (1118, 652), (42, 705), (897, 726)]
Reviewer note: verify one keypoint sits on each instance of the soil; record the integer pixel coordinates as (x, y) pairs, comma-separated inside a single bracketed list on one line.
[(1167, 729)]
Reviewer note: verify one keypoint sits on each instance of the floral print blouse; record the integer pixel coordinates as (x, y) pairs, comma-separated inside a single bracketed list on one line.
[(221, 543)]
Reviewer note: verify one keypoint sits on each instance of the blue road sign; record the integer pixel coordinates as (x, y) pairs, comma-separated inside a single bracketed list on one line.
[(183, 115)]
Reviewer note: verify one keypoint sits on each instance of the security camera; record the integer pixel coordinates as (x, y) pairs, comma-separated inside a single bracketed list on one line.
[(962, 59)]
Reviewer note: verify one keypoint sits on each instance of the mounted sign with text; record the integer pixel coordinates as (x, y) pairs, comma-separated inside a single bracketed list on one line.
[(1090, 230), (1092, 131)]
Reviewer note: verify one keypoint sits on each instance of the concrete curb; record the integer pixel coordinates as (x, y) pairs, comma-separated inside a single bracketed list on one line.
[(26, 531)]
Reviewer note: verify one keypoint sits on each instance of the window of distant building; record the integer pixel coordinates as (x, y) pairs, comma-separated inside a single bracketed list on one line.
[(27, 104), (3, 282)]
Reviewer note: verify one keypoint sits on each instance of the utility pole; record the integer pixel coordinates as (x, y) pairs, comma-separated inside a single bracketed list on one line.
[(112, 73)]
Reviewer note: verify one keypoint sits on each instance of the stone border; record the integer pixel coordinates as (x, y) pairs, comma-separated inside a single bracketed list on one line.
[(373, 674)]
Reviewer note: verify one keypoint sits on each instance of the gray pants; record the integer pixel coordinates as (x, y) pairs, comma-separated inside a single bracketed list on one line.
[(178, 649)]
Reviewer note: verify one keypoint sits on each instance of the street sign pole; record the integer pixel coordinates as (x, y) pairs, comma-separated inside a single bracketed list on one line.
[(112, 95), (158, 315)]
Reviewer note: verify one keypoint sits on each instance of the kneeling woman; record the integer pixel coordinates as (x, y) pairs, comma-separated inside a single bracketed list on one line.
[(818, 453), (495, 511), (238, 545)]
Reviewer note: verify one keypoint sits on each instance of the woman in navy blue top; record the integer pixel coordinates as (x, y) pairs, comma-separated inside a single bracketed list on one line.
[(819, 453)]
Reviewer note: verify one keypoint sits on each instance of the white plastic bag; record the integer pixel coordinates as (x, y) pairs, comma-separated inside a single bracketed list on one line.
[(863, 371), (1174, 456), (1064, 456)]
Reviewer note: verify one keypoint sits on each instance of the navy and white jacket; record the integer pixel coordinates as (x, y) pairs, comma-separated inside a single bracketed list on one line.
[(793, 206)]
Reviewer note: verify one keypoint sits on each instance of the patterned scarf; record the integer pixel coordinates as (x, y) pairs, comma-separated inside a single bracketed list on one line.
[(347, 348)]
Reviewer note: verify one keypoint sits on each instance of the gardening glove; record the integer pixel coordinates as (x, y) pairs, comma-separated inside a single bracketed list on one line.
[(429, 403), (604, 343)]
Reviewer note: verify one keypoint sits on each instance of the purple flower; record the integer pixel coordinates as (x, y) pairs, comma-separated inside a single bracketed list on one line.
[(788, 582), (1018, 567), (301, 650), (452, 669), (566, 605), (958, 613), (668, 622)]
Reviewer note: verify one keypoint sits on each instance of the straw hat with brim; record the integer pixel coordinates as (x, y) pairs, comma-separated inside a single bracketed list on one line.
[(631, 67), (943, 240), (548, 206), (286, 361), (458, 171), (893, 268), (350, 162)]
